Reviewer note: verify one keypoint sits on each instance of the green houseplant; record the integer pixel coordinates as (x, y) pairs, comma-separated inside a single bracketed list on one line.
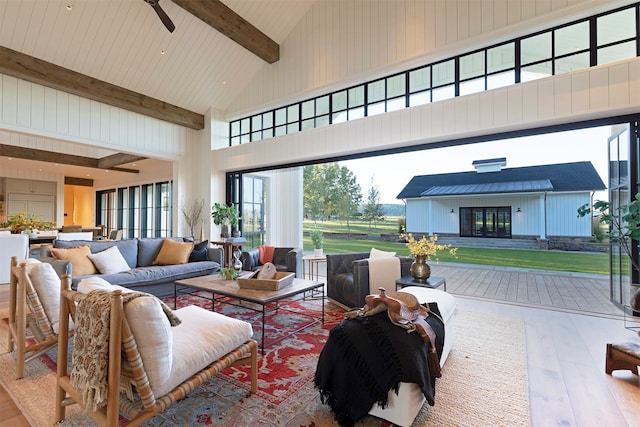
[(317, 239), (624, 229), (225, 216), (23, 221)]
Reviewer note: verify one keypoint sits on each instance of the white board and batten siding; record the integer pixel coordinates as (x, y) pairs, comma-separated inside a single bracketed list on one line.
[(58, 116), (435, 217)]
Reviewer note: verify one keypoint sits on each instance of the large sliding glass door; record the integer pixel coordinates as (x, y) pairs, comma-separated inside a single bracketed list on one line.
[(623, 186)]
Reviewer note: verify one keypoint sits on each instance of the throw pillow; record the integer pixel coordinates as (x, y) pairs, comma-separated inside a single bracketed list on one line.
[(109, 261), (46, 283), (79, 257), (200, 252), (265, 253), (376, 253), (173, 252)]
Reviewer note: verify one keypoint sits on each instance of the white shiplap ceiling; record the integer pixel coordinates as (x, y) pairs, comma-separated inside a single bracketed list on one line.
[(120, 42)]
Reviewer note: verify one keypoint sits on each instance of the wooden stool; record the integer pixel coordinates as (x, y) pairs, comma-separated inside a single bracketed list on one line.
[(622, 356)]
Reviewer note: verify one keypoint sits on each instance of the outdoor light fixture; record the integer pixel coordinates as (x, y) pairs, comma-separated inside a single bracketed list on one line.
[(518, 210), (452, 211)]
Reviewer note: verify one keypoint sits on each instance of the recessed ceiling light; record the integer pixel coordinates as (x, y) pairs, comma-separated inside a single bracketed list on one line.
[(10, 158), (162, 52), (224, 83), (106, 170), (133, 164), (88, 174), (69, 7)]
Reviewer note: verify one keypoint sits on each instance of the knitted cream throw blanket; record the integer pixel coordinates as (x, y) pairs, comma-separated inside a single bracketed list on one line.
[(90, 358)]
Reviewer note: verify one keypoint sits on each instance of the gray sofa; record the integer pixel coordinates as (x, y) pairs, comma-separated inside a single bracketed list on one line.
[(140, 254), (348, 277)]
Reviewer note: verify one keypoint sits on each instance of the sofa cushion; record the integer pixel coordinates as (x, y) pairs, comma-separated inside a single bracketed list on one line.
[(158, 274), (149, 248), (109, 261), (377, 253), (128, 248), (200, 252), (265, 253), (173, 252), (79, 258)]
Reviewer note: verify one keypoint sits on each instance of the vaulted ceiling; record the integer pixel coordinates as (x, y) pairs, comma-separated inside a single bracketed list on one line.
[(124, 45)]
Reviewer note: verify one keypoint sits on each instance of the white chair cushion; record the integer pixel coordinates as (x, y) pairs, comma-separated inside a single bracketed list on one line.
[(150, 327), (377, 253), (154, 338), (46, 283), (202, 338), (92, 283), (109, 261)]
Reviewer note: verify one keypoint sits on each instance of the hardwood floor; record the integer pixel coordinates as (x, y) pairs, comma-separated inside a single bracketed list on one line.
[(565, 345)]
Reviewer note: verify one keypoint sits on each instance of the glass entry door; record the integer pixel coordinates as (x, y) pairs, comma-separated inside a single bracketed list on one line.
[(485, 222)]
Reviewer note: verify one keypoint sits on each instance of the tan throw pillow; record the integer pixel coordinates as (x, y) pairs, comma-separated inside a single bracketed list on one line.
[(79, 258), (173, 252)]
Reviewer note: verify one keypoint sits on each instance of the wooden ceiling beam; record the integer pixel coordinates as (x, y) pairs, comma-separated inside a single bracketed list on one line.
[(53, 157), (226, 21), (29, 68), (118, 159)]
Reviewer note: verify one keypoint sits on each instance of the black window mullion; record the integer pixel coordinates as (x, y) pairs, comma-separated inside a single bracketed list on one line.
[(456, 76), (518, 61), (593, 42), (406, 89)]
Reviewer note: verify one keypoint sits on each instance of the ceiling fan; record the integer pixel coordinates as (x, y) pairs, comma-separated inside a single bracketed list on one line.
[(155, 4)]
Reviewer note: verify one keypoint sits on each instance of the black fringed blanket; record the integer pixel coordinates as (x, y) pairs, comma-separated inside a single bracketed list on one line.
[(366, 357)]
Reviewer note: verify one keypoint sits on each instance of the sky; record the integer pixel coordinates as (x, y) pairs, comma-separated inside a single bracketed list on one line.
[(391, 173)]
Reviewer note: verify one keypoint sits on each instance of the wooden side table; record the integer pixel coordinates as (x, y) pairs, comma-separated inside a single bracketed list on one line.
[(228, 246), (432, 282)]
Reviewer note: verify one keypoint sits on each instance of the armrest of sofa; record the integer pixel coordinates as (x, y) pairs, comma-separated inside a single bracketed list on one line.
[(294, 261), (250, 259), (361, 274), (216, 254)]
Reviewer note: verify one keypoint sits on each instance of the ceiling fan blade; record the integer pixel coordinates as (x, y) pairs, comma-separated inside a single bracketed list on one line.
[(155, 4)]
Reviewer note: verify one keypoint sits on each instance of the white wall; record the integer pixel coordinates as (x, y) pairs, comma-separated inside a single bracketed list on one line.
[(341, 43), (434, 215)]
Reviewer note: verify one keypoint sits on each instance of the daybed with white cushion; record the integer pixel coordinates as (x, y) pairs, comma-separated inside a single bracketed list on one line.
[(404, 406), (156, 362)]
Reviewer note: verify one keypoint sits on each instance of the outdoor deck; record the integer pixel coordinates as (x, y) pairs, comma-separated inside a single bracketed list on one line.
[(572, 292)]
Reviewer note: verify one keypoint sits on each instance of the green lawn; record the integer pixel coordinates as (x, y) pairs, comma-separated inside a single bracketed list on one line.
[(580, 262)]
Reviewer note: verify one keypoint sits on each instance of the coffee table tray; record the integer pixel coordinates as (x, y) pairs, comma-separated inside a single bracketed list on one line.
[(281, 280)]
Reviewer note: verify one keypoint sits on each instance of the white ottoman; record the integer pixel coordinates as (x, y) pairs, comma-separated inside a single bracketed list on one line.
[(404, 406)]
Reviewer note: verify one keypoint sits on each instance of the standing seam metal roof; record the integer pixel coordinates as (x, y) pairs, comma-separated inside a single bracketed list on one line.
[(577, 176)]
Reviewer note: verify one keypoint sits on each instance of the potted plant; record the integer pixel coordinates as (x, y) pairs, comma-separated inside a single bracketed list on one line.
[(422, 250), (23, 222), (624, 229), (225, 216), (317, 239), (228, 273)]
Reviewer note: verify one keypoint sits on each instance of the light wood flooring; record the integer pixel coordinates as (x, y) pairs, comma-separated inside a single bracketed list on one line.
[(568, 321)]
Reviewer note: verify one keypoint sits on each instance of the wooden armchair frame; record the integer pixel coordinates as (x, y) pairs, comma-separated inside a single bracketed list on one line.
[(27, 346), (122, 344)]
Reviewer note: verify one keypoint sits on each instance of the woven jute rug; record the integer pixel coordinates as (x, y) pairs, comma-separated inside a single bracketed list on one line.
[(484, 382)]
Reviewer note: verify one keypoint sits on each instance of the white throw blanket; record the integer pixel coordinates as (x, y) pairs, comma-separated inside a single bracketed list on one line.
[(383, 273)]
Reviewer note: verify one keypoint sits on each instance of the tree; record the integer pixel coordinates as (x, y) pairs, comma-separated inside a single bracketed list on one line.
[(373, 210), (330, 190)]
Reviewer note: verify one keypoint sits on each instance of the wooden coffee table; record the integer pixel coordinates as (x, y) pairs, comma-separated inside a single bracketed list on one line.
[(263, 298)]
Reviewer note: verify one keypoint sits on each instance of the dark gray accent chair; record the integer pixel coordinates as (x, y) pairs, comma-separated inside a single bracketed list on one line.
[(348, 277), (285, 259)]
